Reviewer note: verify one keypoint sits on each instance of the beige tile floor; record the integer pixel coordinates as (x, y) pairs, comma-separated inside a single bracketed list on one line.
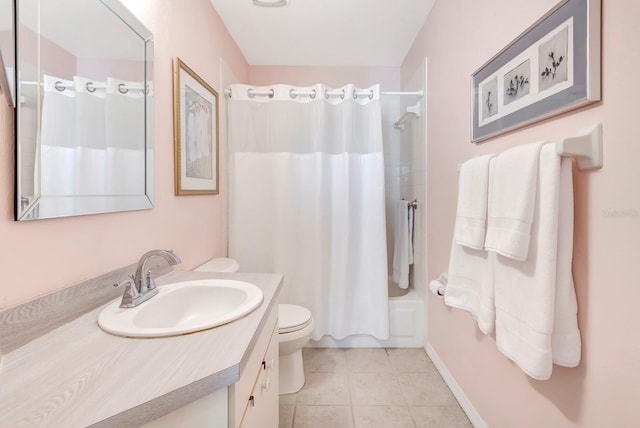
[(371, 388)]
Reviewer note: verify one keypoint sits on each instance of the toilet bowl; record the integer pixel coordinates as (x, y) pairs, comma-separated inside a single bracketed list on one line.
[(295, 325)]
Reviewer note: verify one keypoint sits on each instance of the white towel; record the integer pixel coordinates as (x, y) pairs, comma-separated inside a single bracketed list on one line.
[(470, 284), (565, 339), (403, 245), (535, 301), (512, 189), (471, 215)]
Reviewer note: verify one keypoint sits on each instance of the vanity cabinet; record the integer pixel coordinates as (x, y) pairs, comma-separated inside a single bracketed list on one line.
[(254, 399), (252, 402)]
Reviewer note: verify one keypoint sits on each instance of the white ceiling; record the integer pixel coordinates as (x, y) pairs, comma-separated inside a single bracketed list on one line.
[(347, 33)]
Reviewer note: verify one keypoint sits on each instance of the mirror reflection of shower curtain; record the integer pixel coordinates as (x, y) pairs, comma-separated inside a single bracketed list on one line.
[(91, 141), (125, 138), (307, 201), (58, 139)]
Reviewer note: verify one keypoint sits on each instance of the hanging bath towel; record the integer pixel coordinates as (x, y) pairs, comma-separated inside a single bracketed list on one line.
[(403, 246)]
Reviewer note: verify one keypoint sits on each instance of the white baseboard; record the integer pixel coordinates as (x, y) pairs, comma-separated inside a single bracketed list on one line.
[(448, 378)]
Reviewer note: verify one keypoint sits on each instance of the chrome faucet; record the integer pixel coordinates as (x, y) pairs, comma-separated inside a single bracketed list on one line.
[(141, 286)]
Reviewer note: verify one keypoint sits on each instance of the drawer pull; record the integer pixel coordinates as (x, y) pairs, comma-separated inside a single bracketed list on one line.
[(266, 384), (270, 365), (252, 401)]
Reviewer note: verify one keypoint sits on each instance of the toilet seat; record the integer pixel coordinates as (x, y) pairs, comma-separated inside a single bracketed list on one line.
[(292, 318)]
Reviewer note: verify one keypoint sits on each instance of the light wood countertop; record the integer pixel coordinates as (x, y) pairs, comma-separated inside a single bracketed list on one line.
[(77, 375)]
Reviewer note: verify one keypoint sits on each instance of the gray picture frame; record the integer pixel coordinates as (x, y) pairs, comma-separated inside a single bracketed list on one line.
[(584, 61)]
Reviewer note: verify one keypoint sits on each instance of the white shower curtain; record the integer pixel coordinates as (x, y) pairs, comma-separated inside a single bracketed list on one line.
[(58, 138), (307, 200), (124, 112), (92, 143), (90, 139)]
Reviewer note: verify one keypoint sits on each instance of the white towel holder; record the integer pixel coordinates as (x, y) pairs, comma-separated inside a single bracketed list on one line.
[(586, 148)]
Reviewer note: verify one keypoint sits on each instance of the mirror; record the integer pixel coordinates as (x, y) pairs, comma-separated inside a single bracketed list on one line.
[(7, 52), (84, 110)]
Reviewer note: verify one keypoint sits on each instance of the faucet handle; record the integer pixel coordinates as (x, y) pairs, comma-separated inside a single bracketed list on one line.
[(130, 292), (129, 281)]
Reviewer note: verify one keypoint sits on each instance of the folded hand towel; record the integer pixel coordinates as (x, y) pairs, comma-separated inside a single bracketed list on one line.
[(471, 215), (512, 188), (403, 245), (534, 299)]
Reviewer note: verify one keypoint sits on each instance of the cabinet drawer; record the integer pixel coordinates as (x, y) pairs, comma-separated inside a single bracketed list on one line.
[(240, 392), (263, 406)]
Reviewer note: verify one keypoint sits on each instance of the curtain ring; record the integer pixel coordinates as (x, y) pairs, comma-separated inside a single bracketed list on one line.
[(230, 93), (343, 94), (272, 93), (291, 94), (355, 95), (250, 93), (371, 95), (121, 88), (326, 94), (59, 86), (90, 88), (313, 96)]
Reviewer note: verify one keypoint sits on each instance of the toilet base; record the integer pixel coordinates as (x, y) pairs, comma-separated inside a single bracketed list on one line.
[(291, 372)]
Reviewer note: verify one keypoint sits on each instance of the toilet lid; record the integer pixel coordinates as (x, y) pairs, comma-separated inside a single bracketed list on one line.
[(292, 318), (221, 264)]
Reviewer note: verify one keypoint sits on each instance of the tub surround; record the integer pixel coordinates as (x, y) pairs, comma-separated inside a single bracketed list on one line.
[(78, 375)]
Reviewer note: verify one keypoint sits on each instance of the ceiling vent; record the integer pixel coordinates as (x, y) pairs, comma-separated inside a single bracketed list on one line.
[(271, 3)]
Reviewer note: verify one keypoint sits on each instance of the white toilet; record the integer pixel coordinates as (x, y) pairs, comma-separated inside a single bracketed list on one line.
[(295, 325)]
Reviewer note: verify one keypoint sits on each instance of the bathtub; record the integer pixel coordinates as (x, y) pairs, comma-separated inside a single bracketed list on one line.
[(407, 327)]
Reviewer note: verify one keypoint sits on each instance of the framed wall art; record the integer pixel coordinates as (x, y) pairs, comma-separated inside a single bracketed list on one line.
[(195, 128), (553, 67)]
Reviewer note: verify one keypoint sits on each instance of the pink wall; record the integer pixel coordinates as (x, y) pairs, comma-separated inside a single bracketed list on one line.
[(42, 256), (457, 38), (387, 77)]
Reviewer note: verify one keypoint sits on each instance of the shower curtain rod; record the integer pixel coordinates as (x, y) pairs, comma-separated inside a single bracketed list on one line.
[(328, 93)]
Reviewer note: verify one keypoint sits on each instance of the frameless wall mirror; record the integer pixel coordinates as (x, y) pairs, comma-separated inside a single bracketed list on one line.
[(7, 52), (84, 109)]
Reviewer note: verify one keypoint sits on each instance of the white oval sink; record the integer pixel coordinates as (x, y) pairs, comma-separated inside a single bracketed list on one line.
[(183, 307)]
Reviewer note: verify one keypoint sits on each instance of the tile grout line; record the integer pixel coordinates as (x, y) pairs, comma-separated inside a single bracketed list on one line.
[(404, 398), (396, 370)]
